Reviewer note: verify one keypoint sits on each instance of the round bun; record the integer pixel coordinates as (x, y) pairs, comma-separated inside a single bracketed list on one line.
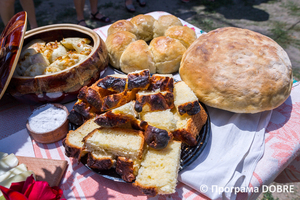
[(163, 23), (121, 25), (137, 56), (184, 34), (128, 50), (116, 43), (167, 53), (237, 70), (144, 26)]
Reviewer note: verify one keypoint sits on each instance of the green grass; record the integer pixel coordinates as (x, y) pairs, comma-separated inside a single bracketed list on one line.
[(268, 196), (293, 8), (296, 74), (281, 35)]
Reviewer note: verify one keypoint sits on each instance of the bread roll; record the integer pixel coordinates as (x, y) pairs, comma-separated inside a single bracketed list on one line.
[(116, 43), (137, 56), (237, 70), (167, 54), (184, 34), (121, 25), (163, 23), (144, 26)]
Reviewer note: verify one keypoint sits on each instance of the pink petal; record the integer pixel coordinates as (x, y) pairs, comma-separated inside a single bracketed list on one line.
[(41, 190), (17, 186), (27, 188), (57, 191), (11, 195)]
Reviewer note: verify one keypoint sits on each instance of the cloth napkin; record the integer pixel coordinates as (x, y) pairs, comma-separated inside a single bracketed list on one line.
[(227, 163), (19, 143)]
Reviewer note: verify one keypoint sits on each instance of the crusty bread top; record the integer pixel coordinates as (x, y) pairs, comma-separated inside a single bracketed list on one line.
[(184, 34), (163, 23), (121, 25), (116, 43), (237, 70), (167, 54), (137, 56), (144, 26)]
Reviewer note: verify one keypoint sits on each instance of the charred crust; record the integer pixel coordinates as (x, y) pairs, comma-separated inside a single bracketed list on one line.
[(185, 137), (124, 167), (111, 101), (169, 98), (94, 99), (100, 164), (162, 83), (70, 151), (156, 101), (116, 100), (83, 109), (82, 93), (139, 80), (156, 138), (91, 96), (191, 108), (139, 124), (75, 118), (112, 83), (109, 119), (149, 191)]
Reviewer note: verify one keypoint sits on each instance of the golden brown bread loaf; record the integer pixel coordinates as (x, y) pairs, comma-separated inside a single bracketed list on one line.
[(128, 50), (108, 93), (123, 139), (237, 70)]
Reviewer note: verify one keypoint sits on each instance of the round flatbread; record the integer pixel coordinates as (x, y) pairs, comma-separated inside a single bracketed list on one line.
[(237, 70)]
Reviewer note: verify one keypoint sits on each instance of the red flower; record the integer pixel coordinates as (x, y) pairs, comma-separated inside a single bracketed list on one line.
[(31, 190)]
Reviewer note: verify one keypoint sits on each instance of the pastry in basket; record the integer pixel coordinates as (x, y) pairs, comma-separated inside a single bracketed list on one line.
[(128, 49), (39, 57), (237, 70)]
